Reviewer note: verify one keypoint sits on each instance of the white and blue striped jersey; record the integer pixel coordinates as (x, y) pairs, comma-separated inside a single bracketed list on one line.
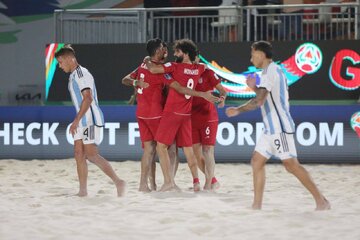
[(275, 111), (81, 79)]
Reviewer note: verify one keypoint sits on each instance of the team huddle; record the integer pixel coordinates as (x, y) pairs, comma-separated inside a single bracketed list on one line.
[(176, 108), (169, 115)]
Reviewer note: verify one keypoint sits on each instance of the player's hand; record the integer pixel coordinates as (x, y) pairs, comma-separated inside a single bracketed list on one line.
[(232, 112), (221, 103), (147, 59), (73, 127), (251, 81), (211, 98), (142, 84)]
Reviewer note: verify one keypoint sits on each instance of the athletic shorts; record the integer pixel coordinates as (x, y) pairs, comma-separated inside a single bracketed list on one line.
[(148, 128), (279, 146), (89, 134), (174, 127), (206, 134)]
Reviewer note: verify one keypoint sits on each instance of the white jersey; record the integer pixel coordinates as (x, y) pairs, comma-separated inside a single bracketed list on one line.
[(275, 111), (79, 80)]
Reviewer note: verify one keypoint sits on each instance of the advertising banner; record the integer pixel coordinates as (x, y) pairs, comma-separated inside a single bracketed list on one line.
[(321, 70), (324, 134)]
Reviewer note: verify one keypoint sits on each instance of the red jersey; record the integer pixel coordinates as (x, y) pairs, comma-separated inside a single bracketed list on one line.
[(203, 110), (187, 75), (150, 100)]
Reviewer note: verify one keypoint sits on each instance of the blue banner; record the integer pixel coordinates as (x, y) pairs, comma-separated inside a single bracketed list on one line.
[(323, 135)]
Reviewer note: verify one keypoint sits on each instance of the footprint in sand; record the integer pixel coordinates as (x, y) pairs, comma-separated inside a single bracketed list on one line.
[(17, 185)]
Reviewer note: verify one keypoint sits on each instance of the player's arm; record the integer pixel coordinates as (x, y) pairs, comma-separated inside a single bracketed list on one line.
[(205, 66), (129, 81), (188, 91), (252, 104), (153, 68), (251, 82), (222, 96), (85, 105)]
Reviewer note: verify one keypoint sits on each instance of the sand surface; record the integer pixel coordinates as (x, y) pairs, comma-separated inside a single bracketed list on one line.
[(37, 202)]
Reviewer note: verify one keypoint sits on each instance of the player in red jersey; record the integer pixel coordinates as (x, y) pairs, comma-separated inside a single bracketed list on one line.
[(175, 123), (204, 120), (150, 103), (157, 49)]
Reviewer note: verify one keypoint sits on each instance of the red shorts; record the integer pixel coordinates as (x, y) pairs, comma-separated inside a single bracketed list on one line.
[(174, 127), (148, 128), (206, 134)]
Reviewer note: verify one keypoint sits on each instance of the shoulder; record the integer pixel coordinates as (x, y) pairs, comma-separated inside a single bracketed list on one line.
[(273, 67), (170, 64), (83, 73)]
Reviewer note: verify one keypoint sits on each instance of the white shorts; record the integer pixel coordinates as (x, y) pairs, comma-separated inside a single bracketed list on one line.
[(89, 135), (279, 146)]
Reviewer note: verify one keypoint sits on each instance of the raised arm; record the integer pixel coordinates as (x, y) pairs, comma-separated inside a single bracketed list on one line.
[(188, 91)]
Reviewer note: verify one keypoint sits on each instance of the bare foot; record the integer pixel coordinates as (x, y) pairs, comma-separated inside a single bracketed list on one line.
[(144, 188), (215, 186), (207, 186), (120, 186), (82, 193), (256, 206), (167, 187), (176, 188), (197, 187), (153, 187), (325, 205)]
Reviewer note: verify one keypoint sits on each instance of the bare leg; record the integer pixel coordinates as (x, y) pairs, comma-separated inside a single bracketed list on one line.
[(258, 166), (197, 148), (146, 159), (208, 151), (192, 163), (92, 153), (81, 167), (163, 154), (174, 158), (293, 166), (152, 172), (198, 151)]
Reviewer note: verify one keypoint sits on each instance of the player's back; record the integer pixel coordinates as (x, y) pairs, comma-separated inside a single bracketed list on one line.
[(150, 100), (187, 75)]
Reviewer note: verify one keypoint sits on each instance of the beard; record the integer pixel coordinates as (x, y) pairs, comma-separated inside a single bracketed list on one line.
[(179, 59)]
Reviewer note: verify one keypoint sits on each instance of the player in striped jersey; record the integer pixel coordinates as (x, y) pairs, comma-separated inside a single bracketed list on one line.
[(88, 121), (278, 138)]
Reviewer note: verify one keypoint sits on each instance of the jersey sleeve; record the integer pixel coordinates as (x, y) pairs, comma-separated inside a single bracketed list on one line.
[(267, 82), (213, 78), (85, 81), (169, 67), (168, 79), (134, 74)]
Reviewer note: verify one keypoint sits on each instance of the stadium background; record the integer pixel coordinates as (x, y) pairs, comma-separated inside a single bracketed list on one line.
[(317, 102)]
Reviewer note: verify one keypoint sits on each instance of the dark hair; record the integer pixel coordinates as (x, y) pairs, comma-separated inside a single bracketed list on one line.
[(152, 45), (65, 50), (264, 47), (187, 46)]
